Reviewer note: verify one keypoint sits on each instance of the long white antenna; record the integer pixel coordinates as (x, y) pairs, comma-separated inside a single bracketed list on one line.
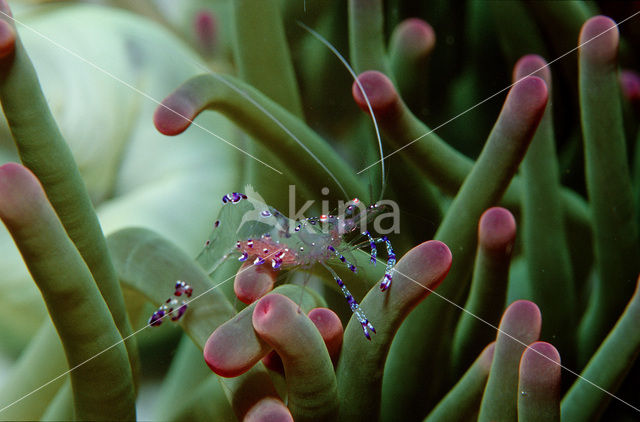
[(364, 94)]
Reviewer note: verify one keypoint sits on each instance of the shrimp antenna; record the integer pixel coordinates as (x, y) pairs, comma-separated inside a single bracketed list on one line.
[(346, 64), (272, 118), (282, 126)]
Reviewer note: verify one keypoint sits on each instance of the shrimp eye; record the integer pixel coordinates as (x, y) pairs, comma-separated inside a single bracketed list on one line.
[(352, 209), (349, 211)]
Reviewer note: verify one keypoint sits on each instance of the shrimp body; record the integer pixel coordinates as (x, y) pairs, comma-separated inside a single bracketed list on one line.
[(250, 229), (300, 246)]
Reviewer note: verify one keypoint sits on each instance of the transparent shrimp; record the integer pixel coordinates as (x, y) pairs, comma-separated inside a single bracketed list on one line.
[(255, 232)]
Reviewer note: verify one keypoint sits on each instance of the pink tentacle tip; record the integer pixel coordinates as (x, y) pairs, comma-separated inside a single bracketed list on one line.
[(528, 98), (223, 353), (7, 39), (599, 39), (330, 328), (630, 85), (174, 115), (21, 195), (428, 264), (4, 8), (206, 28), (416, 37), (253, 282), (540, 365), (273, 315), (440, 252), (380, 91), (522, 317), (269, 409), (497, 229), (533, 65)]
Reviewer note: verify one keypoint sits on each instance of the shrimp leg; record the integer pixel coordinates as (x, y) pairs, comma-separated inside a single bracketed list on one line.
[(353, 304), (391, 258)]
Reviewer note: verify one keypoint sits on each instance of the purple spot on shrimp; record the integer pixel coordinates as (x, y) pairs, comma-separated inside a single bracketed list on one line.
[(183, 288), (366, 333), (386, 282), (276, 263), (265, 213), (233, 197), (258, 261), (179, 312), (250, 243), (244, 257), (156, 318), (366, 327)]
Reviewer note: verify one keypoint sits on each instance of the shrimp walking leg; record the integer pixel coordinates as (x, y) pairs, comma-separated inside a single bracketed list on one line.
[(391, 258), (353, 304), (343, 259)]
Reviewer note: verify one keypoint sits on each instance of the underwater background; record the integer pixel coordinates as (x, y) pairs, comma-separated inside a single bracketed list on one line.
[(509, 135)]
